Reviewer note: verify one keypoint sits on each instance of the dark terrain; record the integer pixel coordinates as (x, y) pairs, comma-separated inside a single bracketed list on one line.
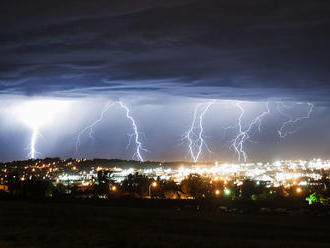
[(24, 224)]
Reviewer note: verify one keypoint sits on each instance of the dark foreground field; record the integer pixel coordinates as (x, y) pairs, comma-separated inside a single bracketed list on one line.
[(76, 225)]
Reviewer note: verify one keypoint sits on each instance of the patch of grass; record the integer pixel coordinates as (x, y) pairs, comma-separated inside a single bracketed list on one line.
[(73, 225)]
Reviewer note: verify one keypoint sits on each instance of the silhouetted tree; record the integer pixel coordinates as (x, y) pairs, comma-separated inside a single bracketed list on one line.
[(137, 184), (197, 186), (60, 191), (104, 181), (250, 188), (169, 189)]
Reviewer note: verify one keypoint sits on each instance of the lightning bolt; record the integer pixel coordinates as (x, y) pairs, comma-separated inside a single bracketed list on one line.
[(33, 152), (32, 147), (136, 134), (244, 135), (196, 141), (139, 147), (90, 128), (283, 131), (190, 134), (239, 140)]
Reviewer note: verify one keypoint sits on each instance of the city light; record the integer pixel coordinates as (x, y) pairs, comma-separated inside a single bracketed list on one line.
[(227, 191)]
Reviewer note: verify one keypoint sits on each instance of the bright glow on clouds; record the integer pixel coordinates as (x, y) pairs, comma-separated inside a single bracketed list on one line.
[(37, 113)]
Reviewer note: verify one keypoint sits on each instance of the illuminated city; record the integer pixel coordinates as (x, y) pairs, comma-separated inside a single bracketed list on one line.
[(83, 173)]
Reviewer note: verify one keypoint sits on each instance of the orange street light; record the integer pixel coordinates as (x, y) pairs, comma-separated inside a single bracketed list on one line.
[(154, 184), (113, 188), (217, 192), (299, 190)]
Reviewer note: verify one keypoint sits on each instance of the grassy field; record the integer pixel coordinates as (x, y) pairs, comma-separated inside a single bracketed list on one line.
[(75, 225)]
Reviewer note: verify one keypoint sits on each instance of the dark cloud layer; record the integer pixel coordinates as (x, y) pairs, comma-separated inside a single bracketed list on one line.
[(222, 48)]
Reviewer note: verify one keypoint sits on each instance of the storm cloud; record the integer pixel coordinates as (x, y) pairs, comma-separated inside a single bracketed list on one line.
[(213, 49)]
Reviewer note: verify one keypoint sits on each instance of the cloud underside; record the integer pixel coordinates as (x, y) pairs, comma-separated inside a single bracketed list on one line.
[(213, 49)]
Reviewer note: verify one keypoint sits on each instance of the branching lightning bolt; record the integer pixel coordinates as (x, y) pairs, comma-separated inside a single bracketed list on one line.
[(190, 134), (196, 141), (136, 134), (139, 147), (244, 135), (90, 128), (283, 131)]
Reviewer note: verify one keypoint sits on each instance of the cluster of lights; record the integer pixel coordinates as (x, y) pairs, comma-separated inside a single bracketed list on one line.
[(281, 173), (285, 173), (296, 174)]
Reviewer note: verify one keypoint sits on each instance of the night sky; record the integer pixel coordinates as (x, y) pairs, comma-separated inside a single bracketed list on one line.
[(162, 58)]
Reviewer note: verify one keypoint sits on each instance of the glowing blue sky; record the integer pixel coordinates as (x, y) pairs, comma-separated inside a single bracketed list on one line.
[(162, 126), (162, 58)]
